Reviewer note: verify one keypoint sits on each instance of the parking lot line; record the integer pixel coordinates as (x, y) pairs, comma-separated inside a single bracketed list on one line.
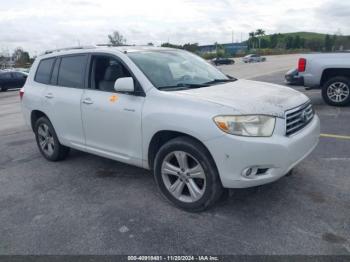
[(335, 136)]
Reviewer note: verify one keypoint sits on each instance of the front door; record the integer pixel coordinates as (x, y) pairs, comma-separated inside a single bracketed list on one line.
[(111, 121)]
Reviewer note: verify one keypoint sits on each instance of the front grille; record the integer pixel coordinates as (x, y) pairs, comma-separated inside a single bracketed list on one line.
[(298, 118)]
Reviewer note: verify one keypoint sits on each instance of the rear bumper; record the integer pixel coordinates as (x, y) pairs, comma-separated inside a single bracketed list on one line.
[(278, 154), (295, 80), (310, 81)]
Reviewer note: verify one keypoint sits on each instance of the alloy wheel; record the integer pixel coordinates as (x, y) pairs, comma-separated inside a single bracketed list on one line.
[(46, 140), (338, 92), (183, 176)]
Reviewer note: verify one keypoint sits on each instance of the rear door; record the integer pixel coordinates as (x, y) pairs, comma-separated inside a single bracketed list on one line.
[(63, 98)]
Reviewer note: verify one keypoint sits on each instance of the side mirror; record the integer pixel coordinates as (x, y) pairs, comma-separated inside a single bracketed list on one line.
[(124, 84)]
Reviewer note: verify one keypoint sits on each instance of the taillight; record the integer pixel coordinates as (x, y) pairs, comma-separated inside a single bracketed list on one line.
[(301, 65), (21, 93)]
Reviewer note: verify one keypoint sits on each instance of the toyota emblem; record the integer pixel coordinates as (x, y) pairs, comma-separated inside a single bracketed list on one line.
[(303, 117)]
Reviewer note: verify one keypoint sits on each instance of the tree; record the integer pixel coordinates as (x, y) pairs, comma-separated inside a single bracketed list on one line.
[(315, 44), (251, 39), (328, 43), (296, 41), (273, 40), (171, 45), (259, 33), (116, 38), (20, 56), (289, 42), (191, 47)]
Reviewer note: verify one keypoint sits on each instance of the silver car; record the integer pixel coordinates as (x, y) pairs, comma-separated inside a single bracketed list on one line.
[(253, 58)]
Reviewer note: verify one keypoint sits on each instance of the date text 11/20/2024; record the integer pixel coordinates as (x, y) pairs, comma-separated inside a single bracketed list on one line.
[(173, 258)]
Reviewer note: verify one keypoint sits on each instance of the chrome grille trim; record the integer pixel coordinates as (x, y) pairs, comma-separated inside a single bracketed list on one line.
[(297, 118)]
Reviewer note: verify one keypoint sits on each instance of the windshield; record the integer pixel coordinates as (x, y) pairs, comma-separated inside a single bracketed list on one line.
[(176, 69)]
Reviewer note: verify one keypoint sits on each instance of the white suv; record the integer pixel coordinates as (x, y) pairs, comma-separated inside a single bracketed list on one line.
[(169, 111)]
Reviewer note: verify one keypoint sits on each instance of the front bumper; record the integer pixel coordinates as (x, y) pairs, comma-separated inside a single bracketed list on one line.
[(278, 154)]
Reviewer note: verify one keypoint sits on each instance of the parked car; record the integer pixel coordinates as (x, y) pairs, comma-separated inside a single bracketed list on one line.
[(253, 58), (10, 80), (222, 61), (330, 73), (169, 111), (293, 78), (22, 69)]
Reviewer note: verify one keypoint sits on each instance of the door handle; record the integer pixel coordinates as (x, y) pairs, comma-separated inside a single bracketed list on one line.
[(88, 101), (49, 95)]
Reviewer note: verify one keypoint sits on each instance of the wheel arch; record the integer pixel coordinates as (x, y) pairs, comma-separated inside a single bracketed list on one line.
[(334, 72), (35, 115), (162, 137)]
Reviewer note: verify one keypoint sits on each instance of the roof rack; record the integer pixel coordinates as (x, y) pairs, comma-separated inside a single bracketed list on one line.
[(67, 48), (112, 45)]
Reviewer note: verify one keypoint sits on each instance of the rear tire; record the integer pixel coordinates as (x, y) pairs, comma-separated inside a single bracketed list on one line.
[(336, 91), (3, 89), (47, 141), (187, 175)]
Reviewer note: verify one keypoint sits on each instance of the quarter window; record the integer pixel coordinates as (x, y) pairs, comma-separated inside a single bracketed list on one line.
[(44, 71), (71, 71)]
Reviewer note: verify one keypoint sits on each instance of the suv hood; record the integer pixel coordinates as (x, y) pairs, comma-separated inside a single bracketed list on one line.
[(250, 97)]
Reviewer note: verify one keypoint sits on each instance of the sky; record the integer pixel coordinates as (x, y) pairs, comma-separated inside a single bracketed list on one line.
[(38, 25)]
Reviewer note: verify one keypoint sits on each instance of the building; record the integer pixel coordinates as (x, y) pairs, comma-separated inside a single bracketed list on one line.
[(230, 48)]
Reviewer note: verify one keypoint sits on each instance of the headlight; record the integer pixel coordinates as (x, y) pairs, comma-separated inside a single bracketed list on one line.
[(250, 125)]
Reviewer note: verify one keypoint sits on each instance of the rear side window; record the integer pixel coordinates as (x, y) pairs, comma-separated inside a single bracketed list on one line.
[(19, 75), (5, 76), (71, 71), (43, 73)]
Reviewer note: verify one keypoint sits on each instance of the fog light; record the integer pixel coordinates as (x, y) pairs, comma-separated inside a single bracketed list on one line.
[(254, 172), (247, 172)]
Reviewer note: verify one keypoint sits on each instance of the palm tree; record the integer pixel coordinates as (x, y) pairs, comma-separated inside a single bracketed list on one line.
[(252, 37), (259, 33)]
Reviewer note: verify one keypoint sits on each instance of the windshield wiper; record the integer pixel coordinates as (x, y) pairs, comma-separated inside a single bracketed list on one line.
[(181, 86), (215, 81)]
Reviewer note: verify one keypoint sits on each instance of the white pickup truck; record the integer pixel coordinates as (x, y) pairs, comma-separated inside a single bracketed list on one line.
[(331, 73)]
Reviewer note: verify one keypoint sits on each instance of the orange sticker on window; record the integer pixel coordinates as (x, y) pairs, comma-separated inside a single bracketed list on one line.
[(113, 98)]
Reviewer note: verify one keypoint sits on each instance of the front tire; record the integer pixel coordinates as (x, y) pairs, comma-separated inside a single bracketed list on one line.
[(47, 141), (336, 91), (3, 89), (186, 174)]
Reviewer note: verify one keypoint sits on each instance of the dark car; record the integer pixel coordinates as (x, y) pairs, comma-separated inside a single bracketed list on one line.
[(10, 80), (293, 78), (222, 61)]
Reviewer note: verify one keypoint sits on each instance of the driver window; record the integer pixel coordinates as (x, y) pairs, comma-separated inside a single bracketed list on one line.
[(105, 70)]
